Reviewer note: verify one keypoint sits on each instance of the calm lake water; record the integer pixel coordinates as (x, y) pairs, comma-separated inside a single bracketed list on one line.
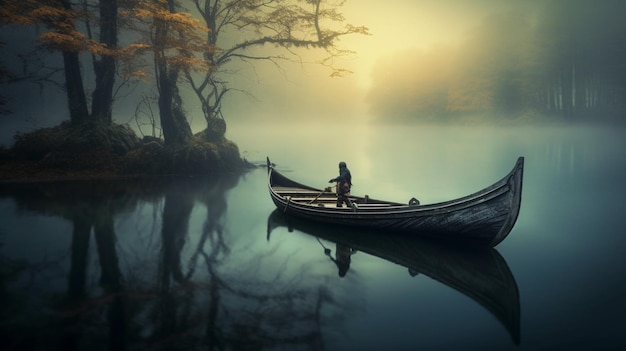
[(206, 263)]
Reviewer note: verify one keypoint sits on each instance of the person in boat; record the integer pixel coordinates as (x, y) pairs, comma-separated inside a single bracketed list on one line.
[(344, 183)]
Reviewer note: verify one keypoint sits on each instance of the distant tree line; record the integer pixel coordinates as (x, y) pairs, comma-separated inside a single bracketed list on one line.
[(567, 61)]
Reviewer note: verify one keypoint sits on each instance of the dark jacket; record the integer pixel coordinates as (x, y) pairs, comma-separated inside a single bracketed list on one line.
[(344, 180)]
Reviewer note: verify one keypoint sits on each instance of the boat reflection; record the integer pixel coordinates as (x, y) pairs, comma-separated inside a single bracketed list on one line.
[(481, 274)]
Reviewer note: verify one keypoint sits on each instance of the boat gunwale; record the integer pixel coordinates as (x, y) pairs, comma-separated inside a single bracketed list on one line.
[(484, 195)]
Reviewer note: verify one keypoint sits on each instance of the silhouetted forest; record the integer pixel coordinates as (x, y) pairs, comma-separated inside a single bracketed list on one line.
[(566, 61)]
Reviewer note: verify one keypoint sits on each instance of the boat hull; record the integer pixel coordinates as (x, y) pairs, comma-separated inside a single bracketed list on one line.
[(483, 218)]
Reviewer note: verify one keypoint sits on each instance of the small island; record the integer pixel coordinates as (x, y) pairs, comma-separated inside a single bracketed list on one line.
[(105, 49), (87, 151)]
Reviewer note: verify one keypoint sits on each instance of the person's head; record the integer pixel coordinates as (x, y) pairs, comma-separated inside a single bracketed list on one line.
[(342, 165), (342, 272), (343, 269)]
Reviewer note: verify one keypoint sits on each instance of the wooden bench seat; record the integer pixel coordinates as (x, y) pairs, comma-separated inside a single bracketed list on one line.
[(333, 200), (321, 198), (296, 191)]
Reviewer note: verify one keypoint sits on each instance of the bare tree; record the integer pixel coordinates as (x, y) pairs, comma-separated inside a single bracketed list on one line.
[(174, 39), (285, 24)]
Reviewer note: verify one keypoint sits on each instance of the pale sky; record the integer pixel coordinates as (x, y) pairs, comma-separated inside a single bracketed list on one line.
[(396, 27), (409, 24), (306, 92)]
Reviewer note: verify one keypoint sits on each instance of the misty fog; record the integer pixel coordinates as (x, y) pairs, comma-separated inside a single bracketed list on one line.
[(442, 99), (562, 61), (425, 61)]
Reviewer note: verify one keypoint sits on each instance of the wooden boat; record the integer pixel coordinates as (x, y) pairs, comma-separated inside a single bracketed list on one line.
[(479, 273), (483, 218)]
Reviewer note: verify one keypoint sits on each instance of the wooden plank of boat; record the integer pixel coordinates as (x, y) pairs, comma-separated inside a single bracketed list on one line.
[(481, 274), (483, 218)]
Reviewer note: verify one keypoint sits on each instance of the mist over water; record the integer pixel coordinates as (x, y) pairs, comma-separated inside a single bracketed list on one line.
[(565, 250), (193, 258), (436, 161), (565, 253)]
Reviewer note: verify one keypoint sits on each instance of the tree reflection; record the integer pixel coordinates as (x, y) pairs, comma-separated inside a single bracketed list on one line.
[(79, 254), (89, 209), (176, 211), (197, 295), (237, 312)]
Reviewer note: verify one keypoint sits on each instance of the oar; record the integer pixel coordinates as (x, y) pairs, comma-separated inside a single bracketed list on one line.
[(326, 250), (320, 194)]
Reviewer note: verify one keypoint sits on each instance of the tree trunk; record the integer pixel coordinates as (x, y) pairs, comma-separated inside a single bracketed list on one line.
[(176, 129), (77, 103), (105, 67)]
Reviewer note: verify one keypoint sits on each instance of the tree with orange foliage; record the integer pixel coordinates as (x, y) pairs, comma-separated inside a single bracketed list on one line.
[(61, 35), (170, 36)]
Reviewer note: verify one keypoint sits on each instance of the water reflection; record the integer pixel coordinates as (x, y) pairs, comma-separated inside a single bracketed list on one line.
[(481, 274), (183, 296)]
